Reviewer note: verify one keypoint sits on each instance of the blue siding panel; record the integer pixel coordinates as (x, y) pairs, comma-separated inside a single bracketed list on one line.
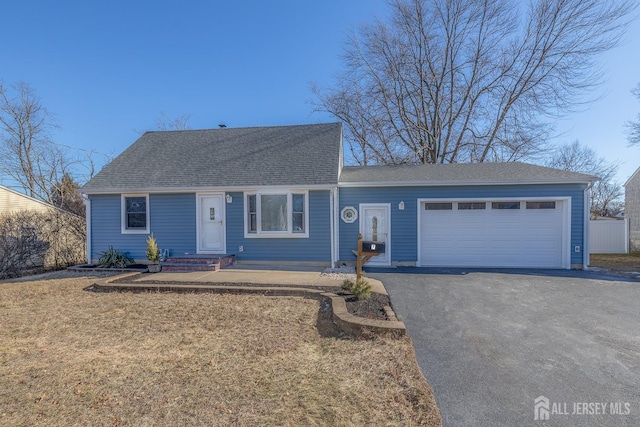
[(404, 224), (317, 247), (173, 224), (105, 223), (172, 221)]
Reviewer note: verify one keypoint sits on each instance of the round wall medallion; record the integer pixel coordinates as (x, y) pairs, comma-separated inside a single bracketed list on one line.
[(349, 214)]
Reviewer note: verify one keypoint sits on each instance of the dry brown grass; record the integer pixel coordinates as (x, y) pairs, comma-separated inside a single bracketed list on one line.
[(70, 357), (617, 262)]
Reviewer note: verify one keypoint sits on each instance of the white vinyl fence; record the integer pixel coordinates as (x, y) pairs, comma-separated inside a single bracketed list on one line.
[(609, 236)]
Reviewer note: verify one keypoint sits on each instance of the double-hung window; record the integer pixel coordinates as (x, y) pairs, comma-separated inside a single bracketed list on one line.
[(135, 213), (277, 213)]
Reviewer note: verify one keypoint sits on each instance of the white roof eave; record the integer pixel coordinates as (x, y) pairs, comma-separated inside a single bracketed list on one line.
[(157, 190), (460, 183)]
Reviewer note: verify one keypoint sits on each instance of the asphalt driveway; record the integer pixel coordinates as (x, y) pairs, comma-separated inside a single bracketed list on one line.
[(490, 342)]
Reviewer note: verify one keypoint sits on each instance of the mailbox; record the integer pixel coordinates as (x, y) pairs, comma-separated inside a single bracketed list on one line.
[(374, 247)]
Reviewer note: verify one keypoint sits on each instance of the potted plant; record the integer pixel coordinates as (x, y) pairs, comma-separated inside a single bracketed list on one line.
[(153, 254)]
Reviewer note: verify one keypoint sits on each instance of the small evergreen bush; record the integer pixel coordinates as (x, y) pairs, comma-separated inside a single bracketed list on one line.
[(361, 288), (153, 253)]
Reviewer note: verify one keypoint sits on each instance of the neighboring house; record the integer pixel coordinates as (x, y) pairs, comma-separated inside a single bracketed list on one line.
[(632, 209), (282, 194), (12, 201)]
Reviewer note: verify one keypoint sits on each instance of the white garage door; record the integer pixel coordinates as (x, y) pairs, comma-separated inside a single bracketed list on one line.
[(499, 233)]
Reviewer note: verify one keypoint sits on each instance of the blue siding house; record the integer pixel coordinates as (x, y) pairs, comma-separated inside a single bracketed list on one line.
[(281, 194)]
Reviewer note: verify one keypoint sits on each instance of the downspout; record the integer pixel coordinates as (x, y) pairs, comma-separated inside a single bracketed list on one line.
[(334, 226), (587, 228), (87, 206), (335, 216)]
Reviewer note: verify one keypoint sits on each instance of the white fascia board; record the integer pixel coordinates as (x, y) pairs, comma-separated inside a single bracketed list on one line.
[(206, 189), (457, 183)]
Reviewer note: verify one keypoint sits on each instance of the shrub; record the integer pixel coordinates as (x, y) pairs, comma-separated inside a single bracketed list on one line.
[(36, 240), (153, 253), (347, 285), (113, 258), (361, 288), (21, 252)]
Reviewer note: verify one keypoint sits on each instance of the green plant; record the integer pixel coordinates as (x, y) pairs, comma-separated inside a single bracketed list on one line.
[(347, 285), (361, 288), (113, 258), (153, 253)]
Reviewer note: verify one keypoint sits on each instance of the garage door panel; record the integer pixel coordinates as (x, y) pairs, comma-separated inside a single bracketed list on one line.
[(492, 237), (543, 236)]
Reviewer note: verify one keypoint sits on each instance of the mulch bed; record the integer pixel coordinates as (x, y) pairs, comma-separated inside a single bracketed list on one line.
[(371, 308)]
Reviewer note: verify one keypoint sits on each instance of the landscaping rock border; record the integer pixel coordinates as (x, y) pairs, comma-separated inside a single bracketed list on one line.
[(341, 318)]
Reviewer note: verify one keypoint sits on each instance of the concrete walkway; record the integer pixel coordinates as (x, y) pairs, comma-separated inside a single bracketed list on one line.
[(260, 274)]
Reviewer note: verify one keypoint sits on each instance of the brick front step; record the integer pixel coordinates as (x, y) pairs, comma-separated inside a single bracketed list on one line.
[(198, 262), (174, 266)]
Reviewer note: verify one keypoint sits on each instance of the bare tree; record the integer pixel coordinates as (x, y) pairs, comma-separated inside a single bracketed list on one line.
[(634, 126), (606, 193), (30, 158), (176, 123), (164, 123), (468, 80)]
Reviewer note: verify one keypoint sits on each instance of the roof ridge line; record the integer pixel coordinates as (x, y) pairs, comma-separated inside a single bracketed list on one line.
[(241, 127)]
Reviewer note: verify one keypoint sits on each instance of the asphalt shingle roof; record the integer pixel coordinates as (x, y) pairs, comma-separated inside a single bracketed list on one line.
[(459, 173), (300, 155), (231, 157)]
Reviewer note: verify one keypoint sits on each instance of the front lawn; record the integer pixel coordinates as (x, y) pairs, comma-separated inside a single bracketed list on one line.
[(616, 262), (71, 357)]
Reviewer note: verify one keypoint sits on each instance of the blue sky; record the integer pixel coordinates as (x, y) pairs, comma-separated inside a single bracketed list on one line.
[(107, 69)]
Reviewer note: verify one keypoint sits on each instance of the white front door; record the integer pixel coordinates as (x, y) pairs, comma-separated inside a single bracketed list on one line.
[(211, 226), (375, 226)]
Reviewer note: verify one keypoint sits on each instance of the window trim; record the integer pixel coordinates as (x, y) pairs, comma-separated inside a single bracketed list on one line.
[(123, 214), (275, 234)]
